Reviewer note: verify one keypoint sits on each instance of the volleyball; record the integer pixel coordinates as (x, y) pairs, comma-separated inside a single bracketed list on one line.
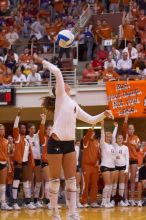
[(65, 38)]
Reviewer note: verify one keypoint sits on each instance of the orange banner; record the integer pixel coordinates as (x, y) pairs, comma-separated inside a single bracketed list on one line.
[(127, 98)]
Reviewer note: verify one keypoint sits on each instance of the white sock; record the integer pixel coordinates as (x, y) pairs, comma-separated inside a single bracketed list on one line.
[(2, 193), (15, 187), (71, 194), (27, 189), (121, 189), (47, 190), (105, 194), (114, 189), (54, 185), (37, 190), (109, 194), (78, 194)]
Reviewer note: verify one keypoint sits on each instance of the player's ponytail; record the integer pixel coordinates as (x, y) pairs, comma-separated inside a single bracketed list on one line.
[(49, 101)]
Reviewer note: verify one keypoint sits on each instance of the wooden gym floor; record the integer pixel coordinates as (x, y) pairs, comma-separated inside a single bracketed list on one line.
[(131, 213)]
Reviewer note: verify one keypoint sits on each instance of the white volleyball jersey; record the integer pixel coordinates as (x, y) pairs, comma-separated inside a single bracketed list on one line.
[(66, 109), (122, 156), (35, 145), (108, 152), (77, 150), (26, 150), (108, 155)]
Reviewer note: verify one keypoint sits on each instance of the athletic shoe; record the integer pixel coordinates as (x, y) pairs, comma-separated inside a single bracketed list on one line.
[(122, 204), (79, 205), (49, 206), (86, 205), (105, 205), (5, 206), (95, 205), (16, 207), (139, 203), (73, 216), (30, 206), (59, 206), (112, 203), (56, 216), (38, 205), (127, 202), (132, 203)]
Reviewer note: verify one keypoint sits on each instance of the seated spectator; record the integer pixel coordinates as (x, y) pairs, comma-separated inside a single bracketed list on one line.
[(7, 77), (25, 58), (45, 75), (97, 63), (109, 74), (124, 65), (34, 78), (138, 62), (19, 77), (11, 60), (12, 36), (88, 74), (141, 182), (102, 53), (109, 60), (115, 53), (132, 52)]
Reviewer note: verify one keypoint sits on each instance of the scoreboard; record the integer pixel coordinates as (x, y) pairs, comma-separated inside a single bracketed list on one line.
[(7, 96)]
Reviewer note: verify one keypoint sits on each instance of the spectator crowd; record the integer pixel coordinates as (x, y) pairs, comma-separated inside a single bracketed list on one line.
[(109, 54)]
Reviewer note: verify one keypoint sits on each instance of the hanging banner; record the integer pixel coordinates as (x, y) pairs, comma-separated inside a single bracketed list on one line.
[(127, 97)]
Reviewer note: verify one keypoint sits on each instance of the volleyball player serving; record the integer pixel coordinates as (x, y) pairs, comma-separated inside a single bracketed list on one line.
[(61, 151)]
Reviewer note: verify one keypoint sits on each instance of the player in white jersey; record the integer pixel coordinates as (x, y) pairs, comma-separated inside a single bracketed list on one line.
[(122, 165), (107, 167), (61, 151), (35, 140)]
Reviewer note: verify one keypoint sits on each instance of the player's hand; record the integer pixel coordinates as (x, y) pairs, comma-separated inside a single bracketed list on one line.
[(108, 114), (43, 117), (19, 111), (126, 172), (115, 124)]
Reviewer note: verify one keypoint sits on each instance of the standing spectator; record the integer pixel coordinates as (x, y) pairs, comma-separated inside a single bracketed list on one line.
[(124, 65), (34, 78), (131, 51), (128, 33), (105, 31), (81, 45), (114, 5), (89, 41)]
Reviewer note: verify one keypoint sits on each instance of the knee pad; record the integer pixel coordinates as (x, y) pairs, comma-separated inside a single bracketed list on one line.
[(16, 184), (121, 185), (26, 184), (71, 184), (54, 185), (17, 173)]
